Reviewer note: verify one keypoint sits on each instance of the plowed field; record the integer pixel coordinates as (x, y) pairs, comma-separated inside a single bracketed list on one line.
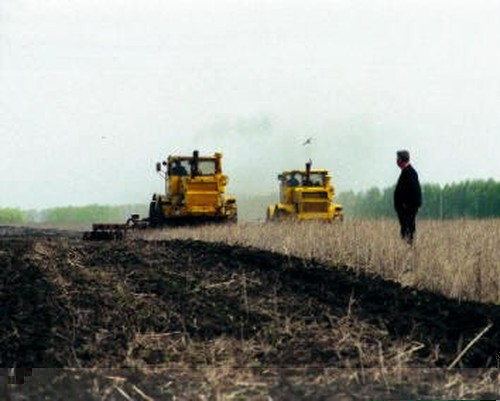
[(194, 320)]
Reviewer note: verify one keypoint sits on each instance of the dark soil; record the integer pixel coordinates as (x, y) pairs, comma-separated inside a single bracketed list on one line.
[(187, 306)]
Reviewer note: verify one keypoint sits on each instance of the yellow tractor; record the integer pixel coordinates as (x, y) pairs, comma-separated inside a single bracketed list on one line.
[(305, 195), (194, 192)]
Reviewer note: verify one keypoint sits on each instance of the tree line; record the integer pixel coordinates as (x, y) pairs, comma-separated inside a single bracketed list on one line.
[(479, 199), (71, 214)]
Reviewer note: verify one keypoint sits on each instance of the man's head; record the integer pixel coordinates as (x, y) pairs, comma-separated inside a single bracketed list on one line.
[(402, 158)]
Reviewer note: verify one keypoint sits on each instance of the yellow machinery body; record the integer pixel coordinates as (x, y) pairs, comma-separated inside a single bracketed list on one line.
[(194, 192), (305, 195)]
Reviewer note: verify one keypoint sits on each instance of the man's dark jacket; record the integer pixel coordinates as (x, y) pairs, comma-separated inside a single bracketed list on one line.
[(408, 194)]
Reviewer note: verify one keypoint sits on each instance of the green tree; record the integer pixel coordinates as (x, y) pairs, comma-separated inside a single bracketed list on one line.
[(11, 216)]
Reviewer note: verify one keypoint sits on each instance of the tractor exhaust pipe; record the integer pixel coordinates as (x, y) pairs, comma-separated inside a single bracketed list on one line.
[(195, 163), (307, 178)]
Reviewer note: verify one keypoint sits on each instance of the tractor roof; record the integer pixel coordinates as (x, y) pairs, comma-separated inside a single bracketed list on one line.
[(191, 157), (312, 171)]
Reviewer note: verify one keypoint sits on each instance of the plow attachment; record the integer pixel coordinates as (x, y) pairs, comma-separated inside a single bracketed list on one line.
[(105, 232), (113, 231)]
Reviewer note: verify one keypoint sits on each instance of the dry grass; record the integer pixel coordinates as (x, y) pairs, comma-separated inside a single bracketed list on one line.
[(460, 258)]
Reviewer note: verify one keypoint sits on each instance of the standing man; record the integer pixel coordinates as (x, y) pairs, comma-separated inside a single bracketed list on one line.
[(407, 196)]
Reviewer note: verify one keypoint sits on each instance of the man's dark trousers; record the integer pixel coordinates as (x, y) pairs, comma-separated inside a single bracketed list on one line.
[(406, 218)]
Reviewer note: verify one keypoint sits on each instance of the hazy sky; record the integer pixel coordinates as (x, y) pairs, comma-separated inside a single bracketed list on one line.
[(93, 93)]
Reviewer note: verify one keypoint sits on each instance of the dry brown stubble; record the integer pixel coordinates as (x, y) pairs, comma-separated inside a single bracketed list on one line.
[(458, 258)]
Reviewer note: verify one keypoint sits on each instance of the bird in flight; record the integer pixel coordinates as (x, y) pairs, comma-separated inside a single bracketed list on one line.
[(308, 141)]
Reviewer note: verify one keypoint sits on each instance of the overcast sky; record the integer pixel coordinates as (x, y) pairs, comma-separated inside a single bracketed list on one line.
[(93, 93)]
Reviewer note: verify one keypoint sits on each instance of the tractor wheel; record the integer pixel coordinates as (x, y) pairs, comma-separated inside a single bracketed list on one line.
[(280, 215), (233, 218), (272, 213), (155, 214)]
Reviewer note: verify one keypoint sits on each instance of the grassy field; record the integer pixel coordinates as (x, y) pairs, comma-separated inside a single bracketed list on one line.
[(459, 258)]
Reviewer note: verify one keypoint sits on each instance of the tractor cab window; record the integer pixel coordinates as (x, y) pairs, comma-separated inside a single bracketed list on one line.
[(316, 179), (206, 167), (293, 179), (180, 167)]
